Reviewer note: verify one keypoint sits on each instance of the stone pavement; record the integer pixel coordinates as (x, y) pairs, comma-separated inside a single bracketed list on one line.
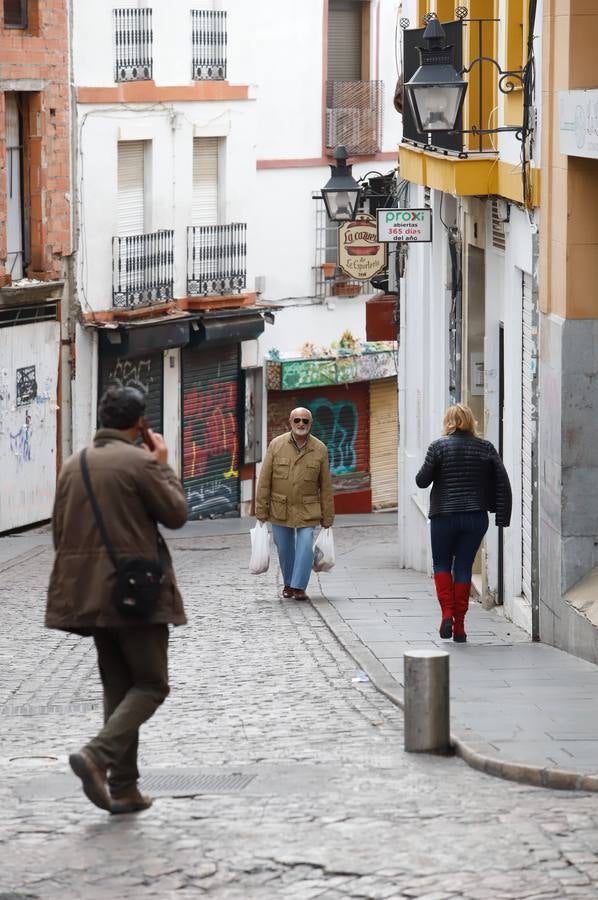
[(277, 773), (512, 701)]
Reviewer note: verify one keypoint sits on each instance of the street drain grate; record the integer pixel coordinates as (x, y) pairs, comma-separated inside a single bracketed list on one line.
[(181, 783)]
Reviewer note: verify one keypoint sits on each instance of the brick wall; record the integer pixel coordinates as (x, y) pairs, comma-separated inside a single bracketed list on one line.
[(40, 54)]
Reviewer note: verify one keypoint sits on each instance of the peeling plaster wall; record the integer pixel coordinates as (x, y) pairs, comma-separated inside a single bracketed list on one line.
[(35, 61)]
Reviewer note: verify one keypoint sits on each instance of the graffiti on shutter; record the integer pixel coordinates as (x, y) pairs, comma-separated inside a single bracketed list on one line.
[(211, 431), (340, 420)]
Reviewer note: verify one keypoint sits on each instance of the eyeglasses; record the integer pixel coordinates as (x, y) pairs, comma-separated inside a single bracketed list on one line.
[(305, 421)]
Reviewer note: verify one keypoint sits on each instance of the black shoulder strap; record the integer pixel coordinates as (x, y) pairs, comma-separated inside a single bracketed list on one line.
[(96, 508)]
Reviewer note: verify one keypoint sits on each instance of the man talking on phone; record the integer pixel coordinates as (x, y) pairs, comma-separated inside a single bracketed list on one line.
[(109, 501), (294, 493)]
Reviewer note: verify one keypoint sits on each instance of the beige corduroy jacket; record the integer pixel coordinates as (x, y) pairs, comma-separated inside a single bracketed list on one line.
[(295, 487)]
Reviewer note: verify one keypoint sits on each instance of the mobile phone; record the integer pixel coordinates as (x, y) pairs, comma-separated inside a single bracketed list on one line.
[(145, 435)]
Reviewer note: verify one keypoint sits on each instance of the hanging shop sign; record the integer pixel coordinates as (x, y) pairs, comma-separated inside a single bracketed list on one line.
[(405, 225), (360, 254), (578, 123)]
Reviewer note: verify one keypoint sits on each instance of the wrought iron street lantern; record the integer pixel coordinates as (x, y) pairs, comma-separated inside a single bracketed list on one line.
[(436, 91), (341, 192)]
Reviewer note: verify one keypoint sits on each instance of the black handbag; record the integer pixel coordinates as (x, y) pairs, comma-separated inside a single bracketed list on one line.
[(138, 581)]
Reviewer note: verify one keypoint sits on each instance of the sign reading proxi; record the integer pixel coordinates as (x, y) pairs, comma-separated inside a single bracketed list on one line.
[(408, 225)]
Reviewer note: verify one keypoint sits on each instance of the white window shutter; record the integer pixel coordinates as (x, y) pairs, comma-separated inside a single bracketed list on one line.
[(131, 204), (205, 181)]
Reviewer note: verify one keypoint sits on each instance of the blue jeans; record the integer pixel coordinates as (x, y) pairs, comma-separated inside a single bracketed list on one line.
[(456, 538), (295, 554)]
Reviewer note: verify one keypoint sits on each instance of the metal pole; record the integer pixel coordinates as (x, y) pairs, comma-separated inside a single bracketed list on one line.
[(427, 701)]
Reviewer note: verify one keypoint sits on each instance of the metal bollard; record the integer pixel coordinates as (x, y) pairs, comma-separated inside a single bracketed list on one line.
[(427, 701)]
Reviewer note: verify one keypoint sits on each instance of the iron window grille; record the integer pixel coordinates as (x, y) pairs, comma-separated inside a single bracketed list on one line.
[(327, 252), (354, 116), (216, 259), (133, 38), (142, 269), (209, 44)]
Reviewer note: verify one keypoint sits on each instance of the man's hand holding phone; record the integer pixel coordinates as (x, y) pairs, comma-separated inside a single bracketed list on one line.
[(153, 443)]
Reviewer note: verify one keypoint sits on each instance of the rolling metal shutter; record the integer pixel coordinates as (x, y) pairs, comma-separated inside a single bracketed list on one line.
[(528, 434), (384, 443), (205, 182), (130, 205), (146, 371), (344, 40), (211, 431)]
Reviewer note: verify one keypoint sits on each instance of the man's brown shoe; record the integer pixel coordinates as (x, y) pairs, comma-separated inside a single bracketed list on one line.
[(92, 777), (299, 594), (131, 803)]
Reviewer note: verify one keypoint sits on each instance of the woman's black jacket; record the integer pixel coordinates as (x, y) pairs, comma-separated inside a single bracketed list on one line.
[(468, 475)]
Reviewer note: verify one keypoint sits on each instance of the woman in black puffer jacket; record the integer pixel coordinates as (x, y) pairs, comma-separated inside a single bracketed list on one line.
[(469, 480)]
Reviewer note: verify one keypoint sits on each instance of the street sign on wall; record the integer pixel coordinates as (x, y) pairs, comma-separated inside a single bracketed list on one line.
[(360, 253), (578, 123), (405, 225)]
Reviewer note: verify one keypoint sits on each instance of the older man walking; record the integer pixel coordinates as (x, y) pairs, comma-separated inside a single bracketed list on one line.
[(294, 493), (109, 501)]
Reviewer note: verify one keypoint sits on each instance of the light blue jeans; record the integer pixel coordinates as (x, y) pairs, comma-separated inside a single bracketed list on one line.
[(295, 554)]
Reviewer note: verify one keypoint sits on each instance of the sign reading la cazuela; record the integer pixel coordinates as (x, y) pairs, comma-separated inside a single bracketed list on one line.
[(360, 255)]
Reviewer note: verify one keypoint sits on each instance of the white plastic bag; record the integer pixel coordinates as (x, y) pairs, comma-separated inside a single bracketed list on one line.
[(324, 558), (260, 548)]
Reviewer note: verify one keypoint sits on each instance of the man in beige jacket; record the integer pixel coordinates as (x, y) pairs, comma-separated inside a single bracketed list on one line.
[(294, 493)]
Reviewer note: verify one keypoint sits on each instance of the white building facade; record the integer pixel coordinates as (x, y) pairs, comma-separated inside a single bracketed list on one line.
[(202, 134), (468, 328)]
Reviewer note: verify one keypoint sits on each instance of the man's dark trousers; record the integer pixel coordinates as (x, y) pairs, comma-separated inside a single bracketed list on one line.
[(133, 664)]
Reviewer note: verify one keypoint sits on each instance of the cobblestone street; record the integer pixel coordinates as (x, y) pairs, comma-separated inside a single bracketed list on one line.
[(276, 774)]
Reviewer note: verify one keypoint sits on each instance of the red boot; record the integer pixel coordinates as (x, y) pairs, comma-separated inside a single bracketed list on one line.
[(445, 594), (461, 607)]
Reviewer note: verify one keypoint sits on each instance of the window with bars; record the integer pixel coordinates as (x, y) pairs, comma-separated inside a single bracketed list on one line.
[(209, 44), (133, 41), (15, 13), (329, 281)]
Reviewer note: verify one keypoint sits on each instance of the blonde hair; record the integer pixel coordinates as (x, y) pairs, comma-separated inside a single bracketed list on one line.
[(459, 418)]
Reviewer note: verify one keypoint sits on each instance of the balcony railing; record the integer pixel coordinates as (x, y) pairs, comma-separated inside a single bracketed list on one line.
[(354, 116), (133, 38), (142, 269), (216, 259), (209, 40)]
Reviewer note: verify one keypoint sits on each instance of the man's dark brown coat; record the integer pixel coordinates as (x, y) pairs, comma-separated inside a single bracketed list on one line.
[(134, 492)]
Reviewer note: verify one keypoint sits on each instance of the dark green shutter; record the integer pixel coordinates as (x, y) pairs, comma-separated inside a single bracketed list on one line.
[(147, 371)]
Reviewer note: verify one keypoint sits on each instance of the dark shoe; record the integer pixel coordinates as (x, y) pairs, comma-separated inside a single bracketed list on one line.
[(298, 594), (446, 629), (92, 777), (132, 803), (460, 638), (288, 592)]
